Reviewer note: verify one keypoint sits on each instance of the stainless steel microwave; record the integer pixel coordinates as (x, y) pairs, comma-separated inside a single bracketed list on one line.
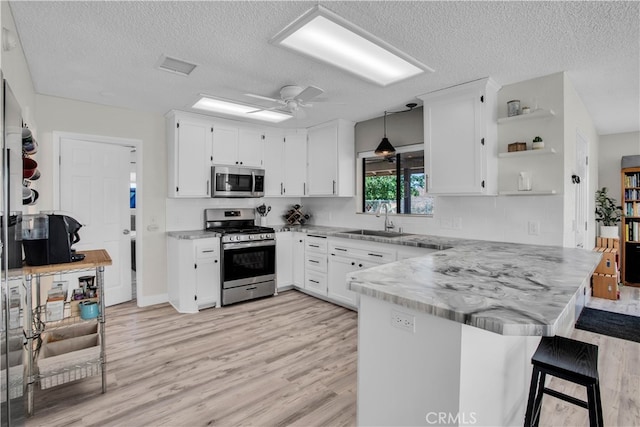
[(236, 181)]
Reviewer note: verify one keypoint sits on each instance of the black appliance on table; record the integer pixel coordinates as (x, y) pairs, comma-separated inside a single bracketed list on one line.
[(248, 254), (47, 239)]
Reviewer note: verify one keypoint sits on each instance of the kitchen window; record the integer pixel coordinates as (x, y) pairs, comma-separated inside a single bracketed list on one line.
[(397, 180)]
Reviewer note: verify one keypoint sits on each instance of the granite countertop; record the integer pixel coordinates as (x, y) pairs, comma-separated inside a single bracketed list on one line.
[(507, 288)]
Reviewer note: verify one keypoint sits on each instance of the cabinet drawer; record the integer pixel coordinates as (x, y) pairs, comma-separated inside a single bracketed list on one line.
[(316, 282), (207, 250), (369, 251), (317, 262), (316, 244)]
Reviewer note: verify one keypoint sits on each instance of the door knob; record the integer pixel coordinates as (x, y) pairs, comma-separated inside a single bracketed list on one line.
[(125, 231)]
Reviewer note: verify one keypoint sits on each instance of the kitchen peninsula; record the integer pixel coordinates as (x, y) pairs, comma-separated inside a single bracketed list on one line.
[(447, 338)]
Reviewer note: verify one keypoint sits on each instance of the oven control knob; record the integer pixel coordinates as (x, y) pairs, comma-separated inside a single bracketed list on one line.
[(251, 236), (263, 236)]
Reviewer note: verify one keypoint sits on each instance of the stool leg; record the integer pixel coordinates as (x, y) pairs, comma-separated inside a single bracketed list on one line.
[(599, 405), (538, 403), (532, 394), (591, 403)]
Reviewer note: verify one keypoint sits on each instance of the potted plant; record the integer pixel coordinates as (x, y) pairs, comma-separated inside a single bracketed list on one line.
[(607, 213), (538, 143)]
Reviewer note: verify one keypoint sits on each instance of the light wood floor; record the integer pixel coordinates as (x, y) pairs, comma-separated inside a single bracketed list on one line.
[(287, 360)]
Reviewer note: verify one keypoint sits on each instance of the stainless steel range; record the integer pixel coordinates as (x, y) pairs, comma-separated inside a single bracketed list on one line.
[(248, 254)]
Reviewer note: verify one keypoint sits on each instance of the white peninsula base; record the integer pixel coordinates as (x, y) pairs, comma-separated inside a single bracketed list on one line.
[(438, 372)]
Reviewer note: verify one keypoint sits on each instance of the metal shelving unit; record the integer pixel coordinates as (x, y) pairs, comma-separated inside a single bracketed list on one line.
[(80, 363)]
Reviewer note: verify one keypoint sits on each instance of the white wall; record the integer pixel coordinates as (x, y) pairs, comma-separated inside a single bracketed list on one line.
[(65, 115), (578, 120), (612, 148)]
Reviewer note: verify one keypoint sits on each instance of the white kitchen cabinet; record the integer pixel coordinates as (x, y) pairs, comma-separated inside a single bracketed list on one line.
[(285, 164), (284, 259), (225, 145), (460, 138), (315, 265), (346, 256), (234, 145), (298, 258), (189, 142), (331, 159), (193, 273)]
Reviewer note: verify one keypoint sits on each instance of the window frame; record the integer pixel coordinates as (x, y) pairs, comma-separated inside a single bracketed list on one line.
[(360, 178)]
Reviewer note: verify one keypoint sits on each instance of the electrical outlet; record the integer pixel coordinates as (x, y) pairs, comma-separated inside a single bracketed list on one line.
[(403, 321), (534, 228)]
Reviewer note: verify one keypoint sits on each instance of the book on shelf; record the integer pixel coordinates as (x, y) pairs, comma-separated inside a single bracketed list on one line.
[(631, 209), (632, 179), (632, 231)]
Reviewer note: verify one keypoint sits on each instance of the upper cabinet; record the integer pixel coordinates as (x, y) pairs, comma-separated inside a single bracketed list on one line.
[(460, 137), (189, 162), (237, 146), (196, 142), (331, 159), (285, 164)]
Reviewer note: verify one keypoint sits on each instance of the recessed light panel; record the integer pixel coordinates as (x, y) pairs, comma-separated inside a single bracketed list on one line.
[(240, 110), (174, 65), (325, 36)]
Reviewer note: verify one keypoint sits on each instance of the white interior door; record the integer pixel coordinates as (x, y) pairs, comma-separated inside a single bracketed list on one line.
[(94, 189)]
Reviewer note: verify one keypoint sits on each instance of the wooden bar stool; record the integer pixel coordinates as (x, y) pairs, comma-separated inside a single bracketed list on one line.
[(570, 360)]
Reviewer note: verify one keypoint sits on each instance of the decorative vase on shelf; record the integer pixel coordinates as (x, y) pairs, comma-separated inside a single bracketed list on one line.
[(538, 143)]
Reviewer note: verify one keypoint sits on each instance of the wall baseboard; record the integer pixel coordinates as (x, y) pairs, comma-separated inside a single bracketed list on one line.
[(152, 300)]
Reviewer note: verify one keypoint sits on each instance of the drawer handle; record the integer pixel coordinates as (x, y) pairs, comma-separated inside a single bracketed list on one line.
[(341, 249), (251, 288), (378, 255), (353, 263), (314, 281), (314, 246), (359, 265), (208, 251), (314, 261)]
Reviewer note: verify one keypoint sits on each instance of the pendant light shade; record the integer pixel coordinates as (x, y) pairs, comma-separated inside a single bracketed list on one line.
[(385, 148)]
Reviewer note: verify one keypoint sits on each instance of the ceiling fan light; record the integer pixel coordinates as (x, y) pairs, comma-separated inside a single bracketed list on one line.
[(385, 148), (217, 105)]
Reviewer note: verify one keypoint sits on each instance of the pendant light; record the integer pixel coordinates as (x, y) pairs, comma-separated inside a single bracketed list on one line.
[(385, 148)]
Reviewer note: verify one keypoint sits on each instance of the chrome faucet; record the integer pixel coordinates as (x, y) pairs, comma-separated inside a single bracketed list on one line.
[(388, 225)]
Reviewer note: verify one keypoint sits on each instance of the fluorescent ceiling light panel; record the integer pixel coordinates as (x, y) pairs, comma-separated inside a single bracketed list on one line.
[(325, 36), (216, 105)]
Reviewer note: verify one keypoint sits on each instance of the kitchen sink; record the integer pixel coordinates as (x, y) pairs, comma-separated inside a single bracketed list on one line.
[(378, 233)]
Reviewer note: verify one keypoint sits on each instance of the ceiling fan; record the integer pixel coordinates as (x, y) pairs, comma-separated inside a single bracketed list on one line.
[(292, 99)]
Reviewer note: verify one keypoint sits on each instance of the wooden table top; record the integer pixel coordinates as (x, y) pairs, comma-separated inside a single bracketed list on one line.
[(93, 258)]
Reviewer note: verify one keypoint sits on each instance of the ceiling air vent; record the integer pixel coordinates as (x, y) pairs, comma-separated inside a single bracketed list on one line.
[(174, 65)]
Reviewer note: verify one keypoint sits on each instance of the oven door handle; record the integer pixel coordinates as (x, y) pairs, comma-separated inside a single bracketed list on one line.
[(242, 245)]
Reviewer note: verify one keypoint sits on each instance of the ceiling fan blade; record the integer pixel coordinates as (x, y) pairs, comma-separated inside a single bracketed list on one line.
[(266, 98), (309, 93), (264, 109)]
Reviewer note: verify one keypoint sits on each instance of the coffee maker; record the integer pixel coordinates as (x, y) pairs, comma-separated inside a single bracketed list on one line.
[(47, 239)]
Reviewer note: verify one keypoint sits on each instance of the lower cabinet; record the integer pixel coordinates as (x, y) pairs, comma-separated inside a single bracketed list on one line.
[(284, 259), (347, 256), (315, 265), (193, 273), (298, 258)]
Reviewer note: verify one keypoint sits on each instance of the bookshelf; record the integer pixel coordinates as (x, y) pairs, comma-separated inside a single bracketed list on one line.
[(630, 224)]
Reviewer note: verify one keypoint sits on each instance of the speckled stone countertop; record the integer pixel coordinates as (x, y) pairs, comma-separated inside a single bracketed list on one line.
[(192, 234)]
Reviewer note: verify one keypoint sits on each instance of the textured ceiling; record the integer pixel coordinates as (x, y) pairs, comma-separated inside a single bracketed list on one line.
[(105, 52)]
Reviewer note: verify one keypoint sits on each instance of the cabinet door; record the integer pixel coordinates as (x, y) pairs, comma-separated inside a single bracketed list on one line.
[(274, 165), (460, 139), (207, 266), (339, 267), (322, 154), (225, 145), (298, 259), (284, 254), (193, 141), (250, 147), (295, 160)]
